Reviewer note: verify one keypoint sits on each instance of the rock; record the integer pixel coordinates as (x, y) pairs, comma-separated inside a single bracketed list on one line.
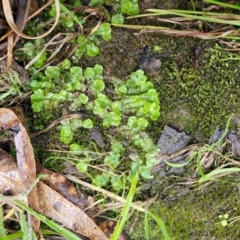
[(216, 135), (171, 140), (97, 137), (234, 138), (148, 63)]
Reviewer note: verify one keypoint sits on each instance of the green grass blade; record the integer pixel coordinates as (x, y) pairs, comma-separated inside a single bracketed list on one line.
[(172, 11), (140, 26), (161, 225), (207, 17), (233, 6), (16, 235), (217, 173), (13, 236), (124, 215), (146, 227), (27, 233), (59, 229), (182, 164), (199, 168), (196, 15), (66, 10), (2, 229), (193, 5), (133, 205), (226, 130)]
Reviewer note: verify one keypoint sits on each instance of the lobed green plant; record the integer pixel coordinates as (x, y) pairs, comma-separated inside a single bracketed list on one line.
[(224, 219), (129, 7), (127, 106), (70, 23), (87, 46), (33, 48)]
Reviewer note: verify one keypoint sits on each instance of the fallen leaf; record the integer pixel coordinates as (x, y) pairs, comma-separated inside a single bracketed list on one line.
[(52, 204), (55, 196), (9, 176), (65, 187), (25, 159), (55, 206)]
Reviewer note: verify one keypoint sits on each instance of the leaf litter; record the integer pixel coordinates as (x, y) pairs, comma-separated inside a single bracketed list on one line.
[(54, 195)]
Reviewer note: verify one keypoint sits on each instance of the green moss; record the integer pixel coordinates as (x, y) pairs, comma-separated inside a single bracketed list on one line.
[(194, 100), (198, 100), (195, 215)]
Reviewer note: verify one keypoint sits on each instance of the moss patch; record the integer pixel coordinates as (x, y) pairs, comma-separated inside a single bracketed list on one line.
[(195, 215), (194, 100), (208, 94)]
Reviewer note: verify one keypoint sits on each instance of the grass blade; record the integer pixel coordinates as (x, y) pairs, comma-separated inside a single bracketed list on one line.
[(217, 173), (27, 233), (59, 229), (233, 6), (161, 225), (146, 227), (2, 229), (17, 235), (124, 215)]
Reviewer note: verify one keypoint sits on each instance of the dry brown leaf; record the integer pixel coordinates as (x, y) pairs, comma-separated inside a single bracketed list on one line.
[(61, 200), (66, 188), (10, 51), (55, 206), (10, 180), (52, 204), (7, 119), (67, 213), (18, 110), (25, 158)]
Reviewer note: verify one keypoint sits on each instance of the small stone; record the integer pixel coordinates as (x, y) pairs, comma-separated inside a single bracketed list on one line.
[(97, 137), (153, 65), (171, 141)]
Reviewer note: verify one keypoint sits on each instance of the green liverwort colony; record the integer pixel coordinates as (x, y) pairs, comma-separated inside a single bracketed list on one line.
[(125, 105)]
